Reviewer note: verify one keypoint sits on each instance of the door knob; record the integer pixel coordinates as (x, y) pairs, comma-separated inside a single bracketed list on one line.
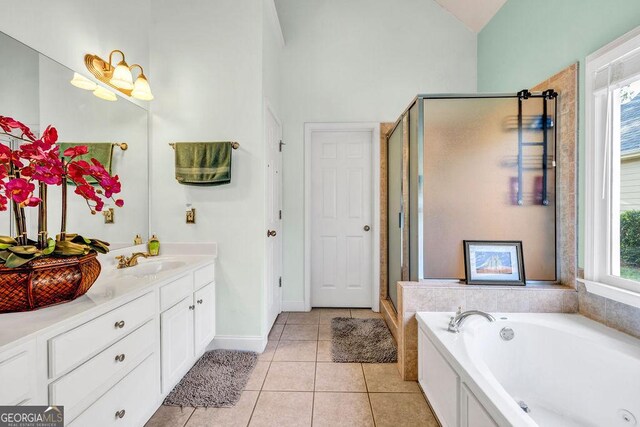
[(271, 233), (367, 228)]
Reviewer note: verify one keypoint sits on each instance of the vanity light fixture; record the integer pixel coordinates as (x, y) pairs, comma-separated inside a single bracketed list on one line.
[(105, 94), (82, 82), (120, 76)]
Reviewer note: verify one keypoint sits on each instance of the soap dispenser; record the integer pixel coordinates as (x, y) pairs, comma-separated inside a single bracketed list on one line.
[(153, 246), (137, 240)]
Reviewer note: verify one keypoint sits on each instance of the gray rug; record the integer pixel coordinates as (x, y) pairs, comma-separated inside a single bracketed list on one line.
[(362, 340), (215, 381)]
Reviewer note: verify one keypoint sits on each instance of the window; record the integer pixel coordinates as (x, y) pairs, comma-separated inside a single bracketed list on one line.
[(612, 232)]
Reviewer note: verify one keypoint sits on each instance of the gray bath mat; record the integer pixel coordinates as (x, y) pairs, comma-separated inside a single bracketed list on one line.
[(215, 381), (362, 340)]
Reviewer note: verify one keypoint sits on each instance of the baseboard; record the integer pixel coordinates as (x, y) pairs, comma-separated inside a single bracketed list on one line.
[(232, 342), (293, 306)]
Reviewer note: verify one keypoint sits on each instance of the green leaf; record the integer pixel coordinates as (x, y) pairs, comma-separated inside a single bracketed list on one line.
[(67, 248), (4, 255), (79, 239), (14, 260), (24, 251), (51, 246), (7, 240), (102, 242), (99, 247)]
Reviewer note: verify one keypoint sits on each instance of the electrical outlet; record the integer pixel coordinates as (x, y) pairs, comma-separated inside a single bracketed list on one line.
[(191, 216), (108, 216)]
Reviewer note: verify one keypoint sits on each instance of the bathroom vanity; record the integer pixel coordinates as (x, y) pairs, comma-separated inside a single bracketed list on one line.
[(111, 356)]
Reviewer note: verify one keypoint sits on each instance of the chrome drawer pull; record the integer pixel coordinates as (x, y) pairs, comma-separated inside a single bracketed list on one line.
[(199, 301), (120, 358), (120, 413), (192, 307), (119, 325)]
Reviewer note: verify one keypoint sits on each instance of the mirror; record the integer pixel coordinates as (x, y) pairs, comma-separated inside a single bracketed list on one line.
[(35, 90)]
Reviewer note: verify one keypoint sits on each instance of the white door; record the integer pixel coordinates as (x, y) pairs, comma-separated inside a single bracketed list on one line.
[(176, 341), (341, 218), (205, 316), (273, 132)]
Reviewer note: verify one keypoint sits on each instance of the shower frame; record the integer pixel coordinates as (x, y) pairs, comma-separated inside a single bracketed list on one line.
[(412, 268)]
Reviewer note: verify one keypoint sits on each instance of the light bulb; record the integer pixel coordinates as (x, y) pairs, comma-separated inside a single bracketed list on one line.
[(105, 94), (82, 82), (122, 78), (141, 89)]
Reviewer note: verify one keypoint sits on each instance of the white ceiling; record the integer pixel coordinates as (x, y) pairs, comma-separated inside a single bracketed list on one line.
[(473, 13)]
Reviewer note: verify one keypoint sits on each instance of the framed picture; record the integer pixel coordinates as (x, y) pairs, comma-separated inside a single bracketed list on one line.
[(493, 262)]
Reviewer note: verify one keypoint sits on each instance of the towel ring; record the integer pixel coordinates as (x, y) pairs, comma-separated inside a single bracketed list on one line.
[(235, 145)]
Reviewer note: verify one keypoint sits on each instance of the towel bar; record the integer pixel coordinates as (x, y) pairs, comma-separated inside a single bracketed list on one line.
[(122, 145), (235, 145)]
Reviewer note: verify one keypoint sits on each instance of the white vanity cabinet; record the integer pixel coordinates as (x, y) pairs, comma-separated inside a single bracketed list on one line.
[(111, 357), (176, 326), (205, 316), (89, 379), (128, 402), (187, 327), (18, 375)]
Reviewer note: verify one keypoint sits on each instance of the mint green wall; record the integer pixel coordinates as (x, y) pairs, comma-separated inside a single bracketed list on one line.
[(530, 40)]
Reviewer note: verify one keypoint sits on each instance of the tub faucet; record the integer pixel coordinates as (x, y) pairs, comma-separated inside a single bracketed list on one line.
[(456, 321)]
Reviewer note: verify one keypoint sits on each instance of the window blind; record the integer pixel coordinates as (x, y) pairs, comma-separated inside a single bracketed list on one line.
[(618, 73)]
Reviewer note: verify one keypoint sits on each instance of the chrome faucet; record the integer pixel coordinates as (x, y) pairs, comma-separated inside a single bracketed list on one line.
[(132, 261), (456, 321)]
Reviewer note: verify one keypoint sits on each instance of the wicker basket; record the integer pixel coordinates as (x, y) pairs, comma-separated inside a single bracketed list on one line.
[(46, 281)]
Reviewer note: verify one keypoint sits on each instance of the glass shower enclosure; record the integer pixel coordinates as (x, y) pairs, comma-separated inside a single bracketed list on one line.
[(471, 167)]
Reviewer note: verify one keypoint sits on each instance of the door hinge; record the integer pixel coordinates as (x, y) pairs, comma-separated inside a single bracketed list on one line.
[(280, 214), (280, 282), (280, 145)]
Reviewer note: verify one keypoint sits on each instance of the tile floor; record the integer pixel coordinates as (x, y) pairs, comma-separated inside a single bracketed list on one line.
[(296, 384)]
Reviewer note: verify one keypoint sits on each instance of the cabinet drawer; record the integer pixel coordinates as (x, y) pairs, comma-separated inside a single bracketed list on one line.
[(175, 291), (75, 388), (69, 349), (18, 375), (203, 276), (134, 397)]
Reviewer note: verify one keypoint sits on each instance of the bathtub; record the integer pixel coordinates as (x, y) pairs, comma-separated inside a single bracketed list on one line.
[(566, 369)]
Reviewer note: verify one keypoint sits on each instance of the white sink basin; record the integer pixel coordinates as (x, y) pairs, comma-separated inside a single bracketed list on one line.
[(149, 268)]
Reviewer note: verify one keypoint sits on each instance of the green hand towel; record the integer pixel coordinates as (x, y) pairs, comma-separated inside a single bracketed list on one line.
[(203, 163), (101, 151)]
